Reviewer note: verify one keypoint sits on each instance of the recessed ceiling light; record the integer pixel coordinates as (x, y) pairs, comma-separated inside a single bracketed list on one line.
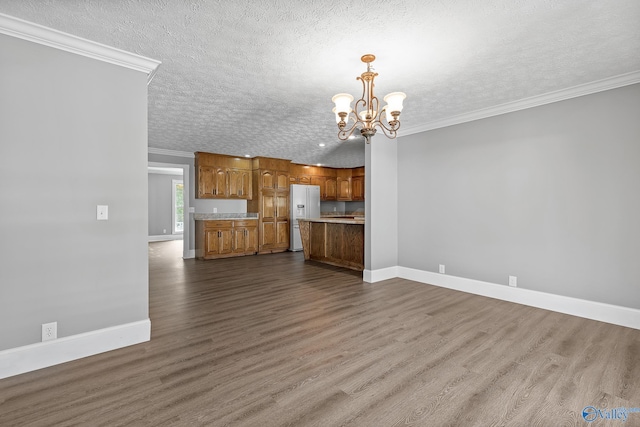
[(247, 155), (318, 164), (322, 144)]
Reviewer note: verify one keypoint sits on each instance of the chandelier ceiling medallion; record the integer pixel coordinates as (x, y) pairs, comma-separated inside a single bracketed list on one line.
[(367, 115)]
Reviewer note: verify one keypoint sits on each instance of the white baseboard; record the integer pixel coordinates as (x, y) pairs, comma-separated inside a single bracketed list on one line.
[(617, 315), (165, 237), (191, 255), (31, 357), (373, 276)]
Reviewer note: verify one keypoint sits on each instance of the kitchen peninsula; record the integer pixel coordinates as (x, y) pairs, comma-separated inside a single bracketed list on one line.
[(335, 241)]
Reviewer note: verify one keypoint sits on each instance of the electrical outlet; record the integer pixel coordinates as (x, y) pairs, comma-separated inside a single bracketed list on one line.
[(102, 213), (49, 331), (441, 268), (513, 281)]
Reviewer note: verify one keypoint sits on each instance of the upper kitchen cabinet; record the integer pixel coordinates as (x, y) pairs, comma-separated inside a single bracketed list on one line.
[(211, 182), (343, 179), (326, 179), (335, 184), (357, 184), (300, 174), (239, 183), (222, 177), (273, 173)]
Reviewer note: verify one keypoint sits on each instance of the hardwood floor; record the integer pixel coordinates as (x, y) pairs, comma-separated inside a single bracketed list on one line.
[(273, 341)]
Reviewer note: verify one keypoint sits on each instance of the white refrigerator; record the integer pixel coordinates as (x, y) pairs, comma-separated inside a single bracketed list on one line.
[(305, 203)]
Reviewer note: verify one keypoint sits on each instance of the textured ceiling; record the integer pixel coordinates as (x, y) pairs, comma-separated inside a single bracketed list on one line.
[(256, 77)]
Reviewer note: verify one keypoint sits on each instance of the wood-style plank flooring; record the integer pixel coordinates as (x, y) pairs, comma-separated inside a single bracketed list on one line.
[(273, 341)]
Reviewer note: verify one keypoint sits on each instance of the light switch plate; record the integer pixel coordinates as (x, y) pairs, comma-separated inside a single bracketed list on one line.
[(103, 212)]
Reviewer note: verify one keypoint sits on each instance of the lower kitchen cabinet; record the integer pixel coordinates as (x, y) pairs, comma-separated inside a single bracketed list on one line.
[(245, 237), (226, 238)]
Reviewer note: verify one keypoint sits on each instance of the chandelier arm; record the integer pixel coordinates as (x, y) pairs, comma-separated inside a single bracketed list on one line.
[(355, 108), (382, 115), (375, 108), (372, 95), (362, 99), (345, 134), (364, 89), (382, 125), (389, 133)]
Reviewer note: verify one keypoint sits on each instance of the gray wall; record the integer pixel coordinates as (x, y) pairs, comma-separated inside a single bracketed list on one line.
[(341, 207), (74, 136), (381, 200), (160, 203), (549, 194)]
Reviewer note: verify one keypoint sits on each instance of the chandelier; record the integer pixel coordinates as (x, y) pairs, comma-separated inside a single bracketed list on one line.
[(367, 115)]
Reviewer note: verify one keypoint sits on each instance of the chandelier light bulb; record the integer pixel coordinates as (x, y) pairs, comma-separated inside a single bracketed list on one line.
[(388, 115), (394, 101), (336, 113), (343, 102), (363, 115)]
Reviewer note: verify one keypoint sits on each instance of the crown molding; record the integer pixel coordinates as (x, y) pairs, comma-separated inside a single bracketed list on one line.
[(35, 33), (534, 101), (165, 152)]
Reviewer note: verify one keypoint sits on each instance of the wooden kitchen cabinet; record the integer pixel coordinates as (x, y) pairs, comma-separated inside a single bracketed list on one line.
[(321, 181), (245, 237), (331, 189), (300, 174), (328, 186), (357, 184), (274, 220), (222, 177), (239, 183), (342, 184), (213, 239), (271, 200), (357, 188), (212, 182), (343, 179), (226, 238), (273, 179)]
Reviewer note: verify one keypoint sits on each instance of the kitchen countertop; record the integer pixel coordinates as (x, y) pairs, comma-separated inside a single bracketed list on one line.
[(223, 216), (350, 220)]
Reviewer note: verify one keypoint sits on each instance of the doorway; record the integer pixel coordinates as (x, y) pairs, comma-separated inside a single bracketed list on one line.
[(170, 216)]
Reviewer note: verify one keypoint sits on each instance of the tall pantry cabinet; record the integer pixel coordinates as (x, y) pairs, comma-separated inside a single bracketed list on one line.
[(270, 198)]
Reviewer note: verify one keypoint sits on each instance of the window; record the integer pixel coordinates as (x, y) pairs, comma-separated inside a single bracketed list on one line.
[(177, 200)]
